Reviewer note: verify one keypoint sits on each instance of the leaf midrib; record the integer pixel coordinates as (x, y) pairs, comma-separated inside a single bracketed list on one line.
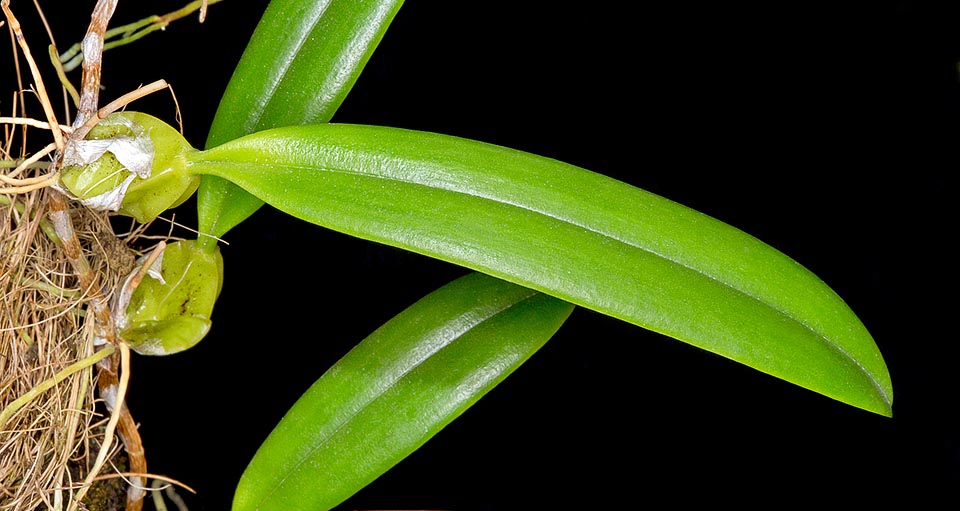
[(349, 418), (258, 109), (828, 342)]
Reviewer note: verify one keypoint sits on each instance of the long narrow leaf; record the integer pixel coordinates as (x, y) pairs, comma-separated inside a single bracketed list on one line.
[(395, 390), (301, 62), (571, 233)]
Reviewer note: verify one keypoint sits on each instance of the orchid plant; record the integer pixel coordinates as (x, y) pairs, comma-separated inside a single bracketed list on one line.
[(541, 236)]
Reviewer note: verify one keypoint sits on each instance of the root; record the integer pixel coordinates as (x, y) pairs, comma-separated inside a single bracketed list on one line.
[(60, 265)]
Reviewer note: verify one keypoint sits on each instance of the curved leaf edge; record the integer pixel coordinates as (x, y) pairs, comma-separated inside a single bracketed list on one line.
[(293, 151), (396, 389)]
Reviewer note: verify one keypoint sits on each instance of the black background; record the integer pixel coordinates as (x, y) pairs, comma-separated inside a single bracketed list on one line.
[(825, 129)]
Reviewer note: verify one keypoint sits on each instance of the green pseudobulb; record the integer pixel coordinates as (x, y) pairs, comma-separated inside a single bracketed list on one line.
[(132, 163), (170, 315)]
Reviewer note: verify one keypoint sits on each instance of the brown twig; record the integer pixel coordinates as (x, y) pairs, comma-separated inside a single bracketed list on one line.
[(121, 102), (92, 48), (111, 381), (38, 80), (113, 371)]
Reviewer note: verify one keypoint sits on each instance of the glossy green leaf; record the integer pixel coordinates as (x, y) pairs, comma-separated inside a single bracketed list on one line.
[(301, 62), (571, 233), (395, 390)]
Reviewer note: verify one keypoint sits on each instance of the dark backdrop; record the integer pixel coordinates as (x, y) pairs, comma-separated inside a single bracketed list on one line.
[(824, 129)]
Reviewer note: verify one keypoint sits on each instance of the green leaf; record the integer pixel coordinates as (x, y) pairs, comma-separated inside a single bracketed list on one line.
[(571, 233), (301, 62), (395, 390)]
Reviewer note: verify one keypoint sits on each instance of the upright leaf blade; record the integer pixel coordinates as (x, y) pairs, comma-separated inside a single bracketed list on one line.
[(301, 62), (571, 233), (395, 390)]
